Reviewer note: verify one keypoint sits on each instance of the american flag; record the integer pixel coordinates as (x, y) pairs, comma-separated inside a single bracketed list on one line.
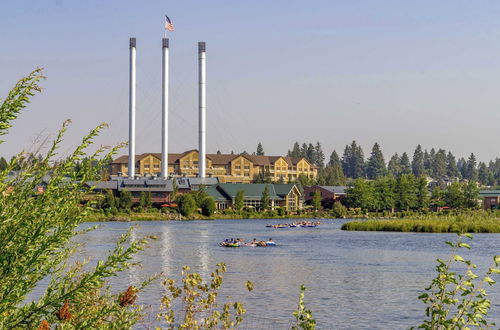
[(168, 24)]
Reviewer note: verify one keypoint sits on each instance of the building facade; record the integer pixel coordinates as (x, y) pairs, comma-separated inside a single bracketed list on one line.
[(329, 194), (228, 168), (491, 199)]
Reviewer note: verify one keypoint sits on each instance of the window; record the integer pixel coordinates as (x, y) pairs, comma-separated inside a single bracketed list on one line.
[(247, 167), (157, 166), (146, 166), (237, 167)]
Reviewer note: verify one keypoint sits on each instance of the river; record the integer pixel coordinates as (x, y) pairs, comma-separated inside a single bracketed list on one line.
[(355, 280)]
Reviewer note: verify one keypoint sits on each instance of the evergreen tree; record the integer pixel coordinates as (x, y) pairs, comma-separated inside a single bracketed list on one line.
[(3, 164), (311, 154), (218, 152), (331, 175), (405, 164), (394, 165), (260, 150), (303, 150), (432, 158), (483, 173), (334, 159), (346, 161), (316, 200), (359, 166), (295, 151), (417, 163), (109, 200), (239, 200), (427, 163), (471, 169), (320, 156), (376, 164), (451, 167), (439, 165), (265, 199), (462, 166)]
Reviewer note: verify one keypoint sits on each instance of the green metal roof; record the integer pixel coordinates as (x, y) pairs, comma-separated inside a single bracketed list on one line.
[(489, 193), (215, 193), (250, 190), (283, 189)]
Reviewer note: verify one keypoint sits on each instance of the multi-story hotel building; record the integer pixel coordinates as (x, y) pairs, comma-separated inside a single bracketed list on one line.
[(226, 167)]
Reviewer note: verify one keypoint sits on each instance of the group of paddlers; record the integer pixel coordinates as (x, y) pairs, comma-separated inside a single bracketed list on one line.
[(295, 224), (240, 242)]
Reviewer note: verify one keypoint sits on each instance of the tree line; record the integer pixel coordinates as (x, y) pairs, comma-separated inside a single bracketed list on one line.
[(440, 165)]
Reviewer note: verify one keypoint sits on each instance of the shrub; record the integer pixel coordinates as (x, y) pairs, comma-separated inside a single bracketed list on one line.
[(37, 231), (458, 301), (208, 206), (187, 204), (199, 299)]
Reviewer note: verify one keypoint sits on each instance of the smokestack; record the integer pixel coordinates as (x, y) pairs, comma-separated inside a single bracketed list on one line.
[(202, 106), (131, 100), (164, 110)]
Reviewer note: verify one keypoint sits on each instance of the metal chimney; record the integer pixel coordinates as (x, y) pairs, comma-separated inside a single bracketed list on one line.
[(131, 127), (164, 110), (202, 108)]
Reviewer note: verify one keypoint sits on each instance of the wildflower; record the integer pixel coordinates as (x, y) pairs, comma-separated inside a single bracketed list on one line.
[(128, 297), (44, 325), (64, 313)]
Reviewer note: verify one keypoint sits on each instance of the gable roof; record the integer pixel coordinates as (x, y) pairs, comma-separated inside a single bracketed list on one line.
[(339, 190), (250, 190), (283, 189)]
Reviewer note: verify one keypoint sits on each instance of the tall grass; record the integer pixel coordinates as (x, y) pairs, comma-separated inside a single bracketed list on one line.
[(469, 223)]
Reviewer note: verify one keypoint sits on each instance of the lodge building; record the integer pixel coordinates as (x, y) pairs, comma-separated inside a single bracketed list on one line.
[(228, 168)]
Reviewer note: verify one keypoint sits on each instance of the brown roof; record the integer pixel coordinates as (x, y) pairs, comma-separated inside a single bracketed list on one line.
[(217, 159)]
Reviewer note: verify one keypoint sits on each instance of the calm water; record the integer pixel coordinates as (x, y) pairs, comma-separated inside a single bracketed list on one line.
[(355, 280)]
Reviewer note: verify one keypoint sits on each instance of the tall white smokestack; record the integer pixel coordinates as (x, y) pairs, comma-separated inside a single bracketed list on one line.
[(164, 110), (202, 105), (131, 100)]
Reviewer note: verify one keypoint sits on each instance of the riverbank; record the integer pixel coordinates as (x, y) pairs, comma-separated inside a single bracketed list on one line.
[(149, 216), (430, 224)]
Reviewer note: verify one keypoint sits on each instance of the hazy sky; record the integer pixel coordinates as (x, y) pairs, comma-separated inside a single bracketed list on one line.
[(394, 72)]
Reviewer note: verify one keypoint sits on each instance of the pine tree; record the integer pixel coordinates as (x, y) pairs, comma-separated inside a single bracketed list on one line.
[(394, 165), (295, 151), (303, 150), (422, 193), (347, 161), (417, 164), (483, 173), (260, 150), (311, 154), (451, 167), (334, 159), (405, 164), (320, 156), (471, 168), (439, 165), (376, 164)]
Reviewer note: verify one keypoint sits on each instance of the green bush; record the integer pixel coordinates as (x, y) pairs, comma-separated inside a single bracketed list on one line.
[(187, 204), (208, 206), (37, 234)]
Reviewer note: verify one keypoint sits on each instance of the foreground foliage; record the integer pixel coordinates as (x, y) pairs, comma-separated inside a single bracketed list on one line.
[(458, 300), (198, 298), (36, 231), (303, 316)]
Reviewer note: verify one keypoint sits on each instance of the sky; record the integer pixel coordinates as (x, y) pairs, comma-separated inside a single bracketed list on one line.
[(399, 73)]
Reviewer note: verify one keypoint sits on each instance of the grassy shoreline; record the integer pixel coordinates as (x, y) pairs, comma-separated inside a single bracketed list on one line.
[(442, 224)]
